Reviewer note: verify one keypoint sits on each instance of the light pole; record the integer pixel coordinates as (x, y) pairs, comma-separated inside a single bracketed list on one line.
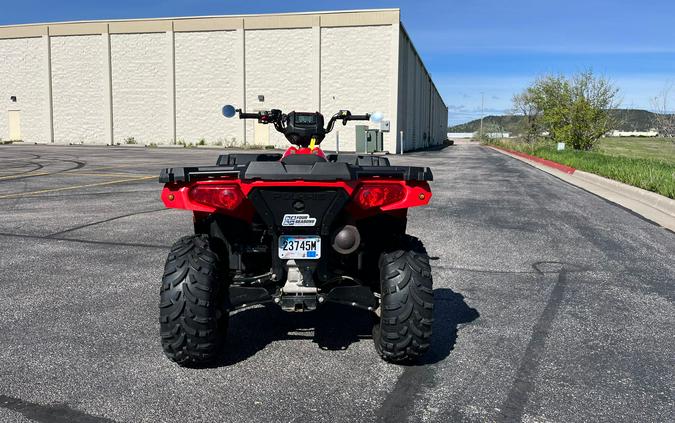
[(482, 104)]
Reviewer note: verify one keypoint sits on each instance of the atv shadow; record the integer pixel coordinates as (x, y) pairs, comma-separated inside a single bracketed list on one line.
[(331, 327), (335, 327), (450, 310)]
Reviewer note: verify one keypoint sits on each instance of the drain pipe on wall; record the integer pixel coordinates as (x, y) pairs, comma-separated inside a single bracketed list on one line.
[(401, 143)]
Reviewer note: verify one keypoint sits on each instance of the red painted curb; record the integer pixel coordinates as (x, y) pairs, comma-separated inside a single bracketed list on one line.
[(549, 163)]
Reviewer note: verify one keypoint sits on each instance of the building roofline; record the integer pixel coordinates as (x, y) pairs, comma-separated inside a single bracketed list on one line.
[(178, 18)]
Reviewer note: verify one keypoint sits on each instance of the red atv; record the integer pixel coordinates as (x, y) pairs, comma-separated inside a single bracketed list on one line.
[(298, 230)]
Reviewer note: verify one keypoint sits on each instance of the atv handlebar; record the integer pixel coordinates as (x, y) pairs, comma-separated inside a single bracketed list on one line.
[(244, 115), (360, 117), (276, 117), (344, 115)]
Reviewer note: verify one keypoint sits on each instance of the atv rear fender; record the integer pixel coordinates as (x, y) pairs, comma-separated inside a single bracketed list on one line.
[(177, 195)]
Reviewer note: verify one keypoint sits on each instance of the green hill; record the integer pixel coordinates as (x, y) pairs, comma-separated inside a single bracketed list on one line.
[(627, 120)]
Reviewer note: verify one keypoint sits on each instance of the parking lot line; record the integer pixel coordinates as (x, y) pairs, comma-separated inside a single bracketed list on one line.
[(68, 172), (103, 174), (25, 175), (71, 187), (91, 167)]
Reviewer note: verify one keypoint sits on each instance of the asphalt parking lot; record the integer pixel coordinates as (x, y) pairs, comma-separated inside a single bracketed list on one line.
[(552, 304)]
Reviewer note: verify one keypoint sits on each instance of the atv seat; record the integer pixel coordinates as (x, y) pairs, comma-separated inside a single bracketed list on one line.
[(302, 159)]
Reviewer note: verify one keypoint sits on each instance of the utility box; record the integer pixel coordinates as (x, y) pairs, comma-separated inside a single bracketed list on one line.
[(361, 138), (374, 140), (368, 140)]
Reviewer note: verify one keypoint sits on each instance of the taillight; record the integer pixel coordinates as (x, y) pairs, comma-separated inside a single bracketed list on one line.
[(226, 197), (377, 195)]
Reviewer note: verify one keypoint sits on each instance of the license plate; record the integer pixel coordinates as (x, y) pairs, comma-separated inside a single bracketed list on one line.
[(299, 247)]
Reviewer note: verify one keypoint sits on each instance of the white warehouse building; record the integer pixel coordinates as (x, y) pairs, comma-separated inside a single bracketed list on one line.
[(165, 81)]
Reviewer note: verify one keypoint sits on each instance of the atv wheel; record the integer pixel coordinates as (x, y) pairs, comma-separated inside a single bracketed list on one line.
[(193, 299), (403, 333)]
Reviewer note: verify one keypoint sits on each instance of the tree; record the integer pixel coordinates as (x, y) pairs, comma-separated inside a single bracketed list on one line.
[(573, 110), (664, 118), (524, 104)]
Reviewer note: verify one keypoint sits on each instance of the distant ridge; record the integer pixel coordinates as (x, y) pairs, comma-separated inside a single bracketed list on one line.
[(627, 120)]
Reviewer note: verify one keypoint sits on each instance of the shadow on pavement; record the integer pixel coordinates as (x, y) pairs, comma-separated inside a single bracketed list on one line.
[(331, 327), (335, 327), (450, 310)]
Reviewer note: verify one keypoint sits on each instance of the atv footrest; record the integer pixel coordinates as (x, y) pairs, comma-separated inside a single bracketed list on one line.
[(356, 296), (243, 296)]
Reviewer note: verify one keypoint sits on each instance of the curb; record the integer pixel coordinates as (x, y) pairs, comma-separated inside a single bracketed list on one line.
[(561, 167), (649, 198), (653, 206)]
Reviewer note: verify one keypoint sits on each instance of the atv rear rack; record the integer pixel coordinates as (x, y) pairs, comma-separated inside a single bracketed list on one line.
[(250, 167)]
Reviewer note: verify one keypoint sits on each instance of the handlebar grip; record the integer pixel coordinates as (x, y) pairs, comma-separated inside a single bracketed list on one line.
[(243, 115), (359, 117)]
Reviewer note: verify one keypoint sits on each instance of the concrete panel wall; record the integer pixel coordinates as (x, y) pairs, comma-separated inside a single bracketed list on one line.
[(356, 72), (78, 90), (141, 87), (23, 73), (279, 66), (159, 80), (207, 77)]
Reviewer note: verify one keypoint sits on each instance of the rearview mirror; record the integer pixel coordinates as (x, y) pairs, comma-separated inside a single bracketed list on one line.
[(229, 111), (376, 117)]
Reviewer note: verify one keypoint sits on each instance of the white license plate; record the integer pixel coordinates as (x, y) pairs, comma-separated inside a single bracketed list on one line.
[(299, 247)]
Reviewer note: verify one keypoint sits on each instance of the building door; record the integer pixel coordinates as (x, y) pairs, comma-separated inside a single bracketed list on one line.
[(14, 125), (261, 134)]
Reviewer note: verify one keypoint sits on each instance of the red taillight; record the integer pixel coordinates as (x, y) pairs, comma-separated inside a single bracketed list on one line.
[(226, 197), (372, 195)]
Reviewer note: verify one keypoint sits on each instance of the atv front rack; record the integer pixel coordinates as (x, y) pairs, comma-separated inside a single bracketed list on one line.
[(270, 167)]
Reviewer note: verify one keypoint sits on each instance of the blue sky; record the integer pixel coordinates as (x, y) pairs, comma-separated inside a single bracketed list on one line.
[(490, 46)]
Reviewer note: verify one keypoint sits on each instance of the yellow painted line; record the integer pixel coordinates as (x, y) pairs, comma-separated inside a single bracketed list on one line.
[(102, 174), (23, 175), (90, 167), (45, 191), (28, 175)]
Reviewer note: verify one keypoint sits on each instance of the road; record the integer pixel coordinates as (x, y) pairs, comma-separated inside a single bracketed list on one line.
[(552, 304)]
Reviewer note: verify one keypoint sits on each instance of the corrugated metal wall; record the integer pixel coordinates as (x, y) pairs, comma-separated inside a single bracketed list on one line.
[(423, 116)]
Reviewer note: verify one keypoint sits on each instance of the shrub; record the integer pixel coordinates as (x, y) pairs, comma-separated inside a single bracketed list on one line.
[(572, 110)]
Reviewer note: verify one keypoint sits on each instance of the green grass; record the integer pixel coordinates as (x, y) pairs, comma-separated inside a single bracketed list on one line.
[(639, 148), (631, 163)]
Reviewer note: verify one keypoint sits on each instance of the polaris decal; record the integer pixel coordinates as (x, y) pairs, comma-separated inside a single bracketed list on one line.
[(298, 220)]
